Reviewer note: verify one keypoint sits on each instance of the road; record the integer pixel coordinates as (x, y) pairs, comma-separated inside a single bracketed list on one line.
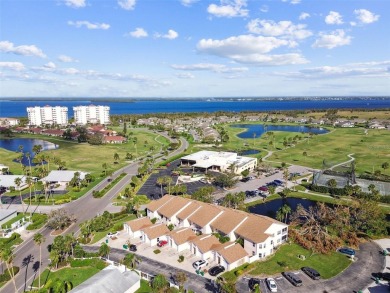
[(84, 208)]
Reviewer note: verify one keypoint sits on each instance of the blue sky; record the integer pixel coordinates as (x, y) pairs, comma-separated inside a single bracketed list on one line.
[(189, 48)]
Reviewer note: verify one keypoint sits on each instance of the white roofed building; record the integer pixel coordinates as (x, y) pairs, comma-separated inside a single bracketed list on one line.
[(47, 115), (62, 176), (8, 181), (91, 114), (219, 161)]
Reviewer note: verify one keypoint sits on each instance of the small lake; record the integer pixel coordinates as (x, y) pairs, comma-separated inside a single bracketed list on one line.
[(257, 130), (271, 207), (248, 152), (28, 144)]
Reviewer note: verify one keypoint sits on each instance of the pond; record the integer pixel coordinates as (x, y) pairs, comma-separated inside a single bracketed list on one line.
[(248, 152), (257, 130), (271, 207), (28, 144)]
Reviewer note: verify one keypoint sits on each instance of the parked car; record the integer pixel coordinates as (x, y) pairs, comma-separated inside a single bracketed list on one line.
[(200, 264), (112, 234), (278, 181), (216, 270), (347, 251), (246, 179), (263, 188), (253, 282), (293, 279), (162, 243), (133, 247), (272, 285), (312, 273), (383, 276)]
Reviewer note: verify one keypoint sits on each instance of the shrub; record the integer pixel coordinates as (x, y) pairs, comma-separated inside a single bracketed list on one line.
[(238, 272), (181, 258), (154, 220), (38, 220), (156, 251), (171, 227), (118, 227), (6, 276)]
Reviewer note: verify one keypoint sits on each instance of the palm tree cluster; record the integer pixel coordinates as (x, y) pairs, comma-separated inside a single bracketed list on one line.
[(62, 249)]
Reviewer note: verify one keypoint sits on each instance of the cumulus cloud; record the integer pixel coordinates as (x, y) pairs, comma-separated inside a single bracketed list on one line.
[(15, 66), (250, 49), (365, 17), (218, 68), (66, 59), (89, 25), (304, 15), (188, 3), (139, 32), (75, 3), (264, 8), (229, 8), (332, 40), (127, 4), (334, 18), (50, 65), (24, 50), (278, 29), (185, 75), (171, 35)]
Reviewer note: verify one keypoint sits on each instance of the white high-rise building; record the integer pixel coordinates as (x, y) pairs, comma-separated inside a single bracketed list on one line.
[(47, 115), (91, 114)]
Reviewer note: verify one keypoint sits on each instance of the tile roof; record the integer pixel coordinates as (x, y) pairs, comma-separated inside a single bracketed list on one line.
[(206, 243), (254, 227), (182, 235), (187, 211), (156, 204), (205, 215), (156, 230), (139, 224), (229, 220), (174, 206), (233, 252)]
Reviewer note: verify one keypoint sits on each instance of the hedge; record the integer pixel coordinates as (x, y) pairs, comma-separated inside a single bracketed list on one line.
[(38, 220), (7, 276)]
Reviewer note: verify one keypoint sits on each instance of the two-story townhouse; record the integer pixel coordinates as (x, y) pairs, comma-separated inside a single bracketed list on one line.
[(230, 255), (228, 222), (202, 218), (155, 233), (261, 235), (203, 246), (168, 212), (134, 227), (183, 216), (151, 209), (180, 239)]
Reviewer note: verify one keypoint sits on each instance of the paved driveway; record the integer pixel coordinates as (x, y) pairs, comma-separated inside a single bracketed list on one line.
[(356, 277)]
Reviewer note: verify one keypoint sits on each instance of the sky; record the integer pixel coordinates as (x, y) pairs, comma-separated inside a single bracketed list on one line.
[(194, 48)]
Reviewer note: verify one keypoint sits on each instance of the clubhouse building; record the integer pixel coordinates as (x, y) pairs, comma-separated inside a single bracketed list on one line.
[(196, 225), (219, 161)]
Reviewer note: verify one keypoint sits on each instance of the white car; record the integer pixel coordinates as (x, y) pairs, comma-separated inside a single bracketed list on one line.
[(200, 264), (112, 234), (272, 285)]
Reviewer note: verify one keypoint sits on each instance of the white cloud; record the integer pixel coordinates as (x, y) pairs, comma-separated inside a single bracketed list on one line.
[(25, 50), (171, 35), (75, 3), (334, 18), (364, 16), (332, 40), (127, 4), (16, 66), (185, 75), (292, 1), (188, 3), (250, 49), (50, 65), (304, 15), (264, 8), (66, 59), (139, 32), (228, 8), (282, 28), (218, 68), (89, 25)]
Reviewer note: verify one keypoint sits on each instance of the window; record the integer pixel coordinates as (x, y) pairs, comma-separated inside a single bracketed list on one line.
[(279, 232), (254, 245), (272, 242), (253, 253), (278, 241), (260, 246), (284, 230), (264, 245), (260, 255)]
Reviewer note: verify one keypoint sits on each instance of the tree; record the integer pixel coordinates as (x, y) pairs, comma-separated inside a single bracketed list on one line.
[(385, 165), (159, 283), (105, 166), (116, 157), (131, 260), (181, 278), (129, 156), (28, 156), (332, 183), (203, 194), (160, 181), (7, 256), (271, 189), (29, 182), (225, 180), (285, 209), (245, 173), (18, 182), (59, 219), (39, 240), (37, 149), (304, 154), (104, 250)]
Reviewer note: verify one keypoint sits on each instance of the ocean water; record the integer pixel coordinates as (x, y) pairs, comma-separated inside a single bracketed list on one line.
[(18, 108)]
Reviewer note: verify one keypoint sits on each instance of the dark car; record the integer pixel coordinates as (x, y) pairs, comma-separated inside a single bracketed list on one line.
[(347, 251), (312, 273), (246, 179), (133, 247), (293, 279), (383, 276), (216, 270), (263, 188), (253, 282), (278, 181)]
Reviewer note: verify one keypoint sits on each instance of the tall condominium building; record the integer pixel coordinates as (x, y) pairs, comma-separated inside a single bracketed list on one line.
[(47, 115), (91, 114)]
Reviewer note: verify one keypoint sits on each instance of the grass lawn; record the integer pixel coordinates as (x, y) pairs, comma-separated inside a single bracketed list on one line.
[(9, 242), (75, 275), (285, 259), (100, 235), (144, 287), (13, 220)]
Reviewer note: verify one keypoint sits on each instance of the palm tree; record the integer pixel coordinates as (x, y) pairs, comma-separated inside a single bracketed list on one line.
[(18, 182), (105, 166), (7, 256), (160, 181), (131, 260), (168, 181), (135, 145), (285, 209), (104, 250), (37, 149), (116, 157), (28, 156), (39, 240), (29, 182)]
